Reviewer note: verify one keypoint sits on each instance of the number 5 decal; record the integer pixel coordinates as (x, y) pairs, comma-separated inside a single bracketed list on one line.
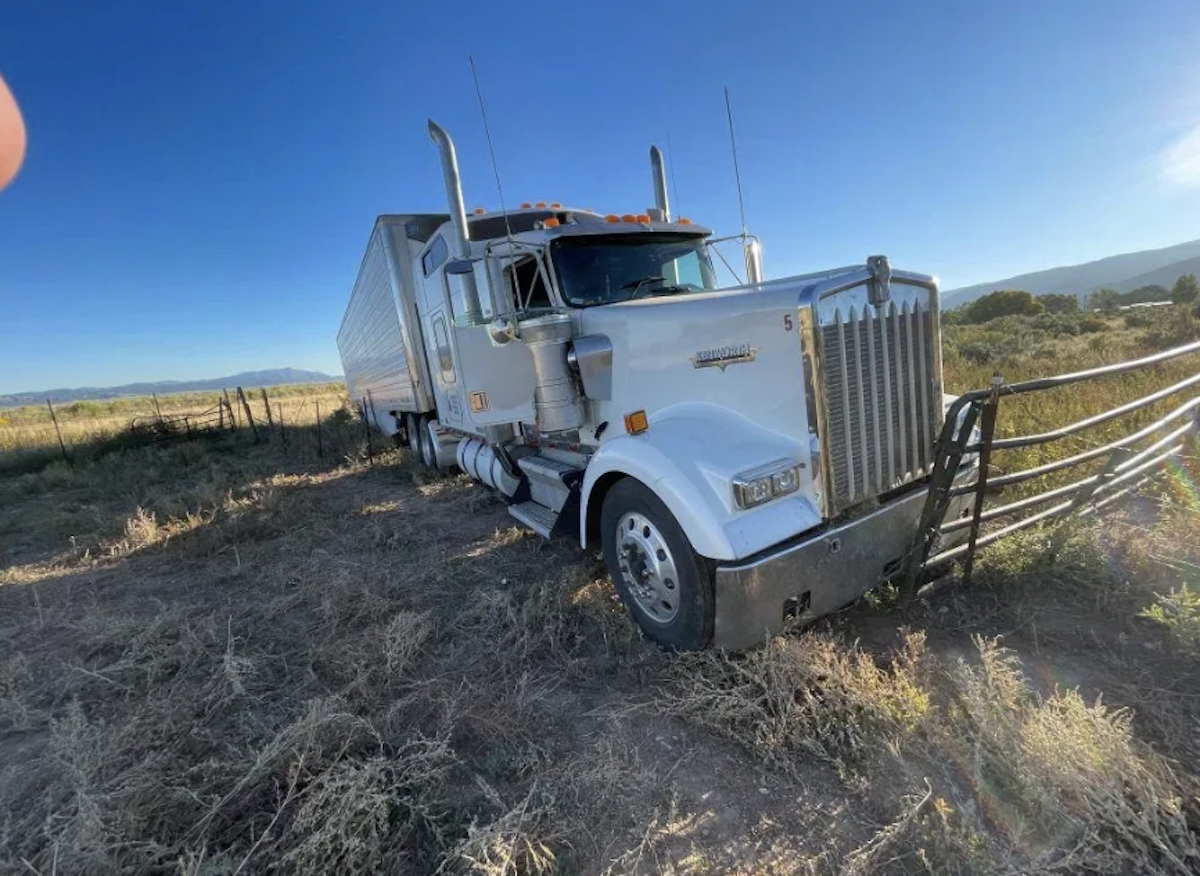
[(787, 322)]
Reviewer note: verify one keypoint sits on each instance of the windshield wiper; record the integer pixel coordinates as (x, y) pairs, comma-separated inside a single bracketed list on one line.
[(636, 285)]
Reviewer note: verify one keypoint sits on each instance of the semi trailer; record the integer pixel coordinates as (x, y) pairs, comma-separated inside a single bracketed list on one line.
[(744, 457)]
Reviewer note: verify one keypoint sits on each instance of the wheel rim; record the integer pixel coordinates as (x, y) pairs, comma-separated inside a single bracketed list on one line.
[(648, 568)]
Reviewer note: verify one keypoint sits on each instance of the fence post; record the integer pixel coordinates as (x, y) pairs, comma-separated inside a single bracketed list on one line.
[(221, 415), (320, 446), (947, 457), (987, 427), (249, 416), (267, 406), (282, 434), (157, 409), (57, 431), (233, 423)]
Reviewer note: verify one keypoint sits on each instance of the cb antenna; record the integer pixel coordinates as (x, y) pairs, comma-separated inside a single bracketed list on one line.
[(736, 173), (487, 132)]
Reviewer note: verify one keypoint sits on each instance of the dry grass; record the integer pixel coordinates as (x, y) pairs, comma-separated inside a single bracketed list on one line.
[(229, 658), (29, 442)]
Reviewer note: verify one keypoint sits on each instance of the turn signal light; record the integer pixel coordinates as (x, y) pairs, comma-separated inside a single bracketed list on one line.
[(636, 423)]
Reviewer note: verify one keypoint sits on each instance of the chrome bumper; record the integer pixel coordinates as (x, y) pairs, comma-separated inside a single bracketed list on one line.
[(817, 575)]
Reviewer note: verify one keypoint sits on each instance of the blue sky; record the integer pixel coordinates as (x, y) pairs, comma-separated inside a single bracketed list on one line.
[(202, 176)]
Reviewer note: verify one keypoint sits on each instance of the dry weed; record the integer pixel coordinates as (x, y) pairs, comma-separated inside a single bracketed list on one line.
[(807, 694)]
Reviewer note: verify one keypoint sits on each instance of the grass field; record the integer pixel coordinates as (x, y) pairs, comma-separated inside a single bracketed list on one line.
[(224, 657), (28, 439)]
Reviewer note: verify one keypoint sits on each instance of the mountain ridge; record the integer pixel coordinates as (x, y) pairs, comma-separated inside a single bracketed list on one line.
[(1123, 272), (265, 377)]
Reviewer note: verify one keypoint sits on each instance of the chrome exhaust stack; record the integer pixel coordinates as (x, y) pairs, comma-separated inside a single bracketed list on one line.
[(753, 251), (658, 173), (458, 214)]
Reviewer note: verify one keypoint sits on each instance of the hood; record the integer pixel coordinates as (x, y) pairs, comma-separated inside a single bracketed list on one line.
[(737, 349)]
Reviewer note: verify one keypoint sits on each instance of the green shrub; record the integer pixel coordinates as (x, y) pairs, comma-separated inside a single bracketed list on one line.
[(1179, 613), (1004, 302)]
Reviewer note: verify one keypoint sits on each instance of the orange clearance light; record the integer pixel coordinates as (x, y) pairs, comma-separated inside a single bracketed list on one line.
[(525, 205), (644, 218), (479, 211), (550, 222), (685, 221), (612, 217), (636, 423), (556, 206), (541, 205), (629, 217)]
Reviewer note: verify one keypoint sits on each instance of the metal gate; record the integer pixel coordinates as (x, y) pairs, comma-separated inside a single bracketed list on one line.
[(1119, 467)]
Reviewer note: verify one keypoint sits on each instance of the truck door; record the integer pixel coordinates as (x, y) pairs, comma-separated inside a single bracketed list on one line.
[(436, 322)]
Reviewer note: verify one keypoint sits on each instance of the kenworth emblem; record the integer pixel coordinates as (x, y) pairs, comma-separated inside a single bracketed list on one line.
[(722, 357)]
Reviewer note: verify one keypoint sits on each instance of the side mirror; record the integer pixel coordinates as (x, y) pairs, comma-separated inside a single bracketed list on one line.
[(458, 267)]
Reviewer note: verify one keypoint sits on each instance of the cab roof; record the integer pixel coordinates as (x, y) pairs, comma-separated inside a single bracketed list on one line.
[(559, 221)]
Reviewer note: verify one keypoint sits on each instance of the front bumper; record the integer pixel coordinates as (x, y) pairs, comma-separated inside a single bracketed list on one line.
[(817, 575)]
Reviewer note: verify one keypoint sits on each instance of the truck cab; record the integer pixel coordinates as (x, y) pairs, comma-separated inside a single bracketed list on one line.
[(744, 457)]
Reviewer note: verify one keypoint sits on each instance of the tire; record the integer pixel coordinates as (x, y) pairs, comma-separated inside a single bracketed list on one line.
[(428, 451), (665, 584), (413, 427)]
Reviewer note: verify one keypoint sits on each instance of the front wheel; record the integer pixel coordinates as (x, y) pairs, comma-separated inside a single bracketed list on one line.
[(666, 585)]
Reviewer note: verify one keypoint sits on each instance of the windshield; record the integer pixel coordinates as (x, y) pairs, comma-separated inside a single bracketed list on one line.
[(602, 269)]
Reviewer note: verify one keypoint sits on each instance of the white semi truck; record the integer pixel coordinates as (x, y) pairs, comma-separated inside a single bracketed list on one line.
[(742, 456)]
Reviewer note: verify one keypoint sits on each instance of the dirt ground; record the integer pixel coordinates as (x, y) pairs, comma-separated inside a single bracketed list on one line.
[(215, 658)]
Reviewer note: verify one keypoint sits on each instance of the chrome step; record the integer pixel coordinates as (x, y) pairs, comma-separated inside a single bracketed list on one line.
[(545, 476), (544, 467), (537, 517)]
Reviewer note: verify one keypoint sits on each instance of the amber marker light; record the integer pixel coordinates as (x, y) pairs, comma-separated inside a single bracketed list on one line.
[(636, 423)]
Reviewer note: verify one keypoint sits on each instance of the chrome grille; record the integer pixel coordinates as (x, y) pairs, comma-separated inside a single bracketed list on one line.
[(882, 398)]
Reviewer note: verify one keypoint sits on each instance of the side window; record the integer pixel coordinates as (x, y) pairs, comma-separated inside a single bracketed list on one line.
[(445, 359), (685, 271), (434, 256), (528, 287)]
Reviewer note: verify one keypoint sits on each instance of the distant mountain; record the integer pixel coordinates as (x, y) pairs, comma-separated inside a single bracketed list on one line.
[(1121, 272), (270, 377), (1160, 276)]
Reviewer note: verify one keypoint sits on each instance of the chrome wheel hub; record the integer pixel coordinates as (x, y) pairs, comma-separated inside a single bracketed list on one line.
[(647, 567)]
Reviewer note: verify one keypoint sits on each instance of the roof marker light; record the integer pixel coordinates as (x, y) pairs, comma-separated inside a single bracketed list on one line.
[(629, 217), (685, 221), (550, 222), (525, 205), (479, 211), (612, 217), (644, 218), (541, 205), (556, 206)]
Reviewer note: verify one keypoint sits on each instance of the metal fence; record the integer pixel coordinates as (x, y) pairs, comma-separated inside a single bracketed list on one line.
[(1123, 465), (163, 428)]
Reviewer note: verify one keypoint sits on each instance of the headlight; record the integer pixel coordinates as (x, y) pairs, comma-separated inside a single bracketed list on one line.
[(754, 487)]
